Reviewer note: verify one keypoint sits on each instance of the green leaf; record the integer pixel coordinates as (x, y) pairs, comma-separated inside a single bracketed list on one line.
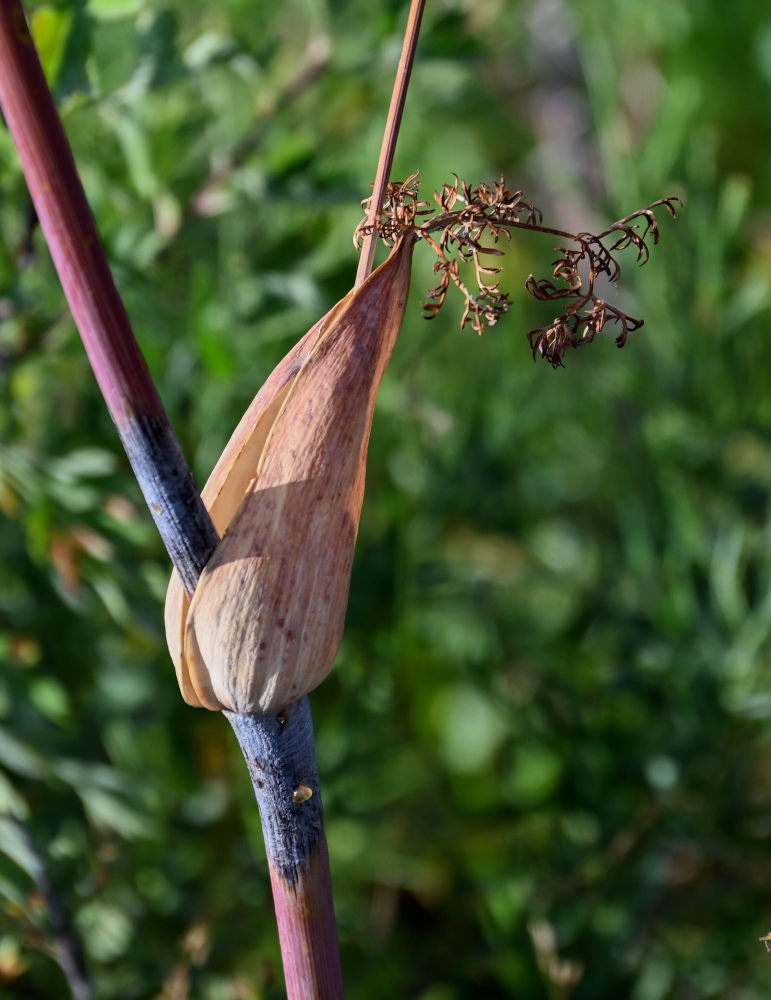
[(108, 10), (14, 842), (50, 28), (17, 756), (12, 803), (106, 928)]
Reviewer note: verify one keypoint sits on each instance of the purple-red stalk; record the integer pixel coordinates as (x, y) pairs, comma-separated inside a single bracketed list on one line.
[(117, 362), (294, 835)]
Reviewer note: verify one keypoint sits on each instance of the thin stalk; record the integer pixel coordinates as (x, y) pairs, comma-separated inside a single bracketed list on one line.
[(314, 61), (301, 883), (67, 950), (394, 120)]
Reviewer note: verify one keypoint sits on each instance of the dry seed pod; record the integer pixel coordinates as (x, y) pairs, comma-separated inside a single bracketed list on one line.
[(266, 620)]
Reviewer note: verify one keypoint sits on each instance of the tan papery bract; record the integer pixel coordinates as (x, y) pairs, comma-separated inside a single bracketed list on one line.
[(222, 495), (266, 620)]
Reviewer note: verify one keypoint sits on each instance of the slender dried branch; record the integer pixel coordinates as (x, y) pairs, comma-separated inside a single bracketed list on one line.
[(64, 945), (469, 219), (313, 62), (394, 120)]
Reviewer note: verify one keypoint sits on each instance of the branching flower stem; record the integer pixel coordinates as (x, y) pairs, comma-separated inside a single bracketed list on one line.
[(491, 211), (299, 865)]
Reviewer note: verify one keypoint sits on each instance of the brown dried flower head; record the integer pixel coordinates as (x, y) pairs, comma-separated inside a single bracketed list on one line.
[(461, 235)]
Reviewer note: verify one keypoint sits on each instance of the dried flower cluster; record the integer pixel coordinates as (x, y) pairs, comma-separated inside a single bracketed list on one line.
[(488, 212)]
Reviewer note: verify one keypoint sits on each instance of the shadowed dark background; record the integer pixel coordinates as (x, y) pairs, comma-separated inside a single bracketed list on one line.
[(545, 750)]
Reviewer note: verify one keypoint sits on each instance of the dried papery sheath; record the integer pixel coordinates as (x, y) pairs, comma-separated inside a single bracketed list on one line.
[(222, 495), (266, 620)]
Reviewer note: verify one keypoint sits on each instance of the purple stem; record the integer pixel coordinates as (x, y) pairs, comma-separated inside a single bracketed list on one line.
[(294, 836), (279, 752), (120, 369)]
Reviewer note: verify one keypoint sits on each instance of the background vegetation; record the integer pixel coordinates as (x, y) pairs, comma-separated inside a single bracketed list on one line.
[(546, 747)]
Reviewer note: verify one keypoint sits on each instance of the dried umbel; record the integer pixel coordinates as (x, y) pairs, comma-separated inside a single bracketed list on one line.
[(488, 212), (266, 619)]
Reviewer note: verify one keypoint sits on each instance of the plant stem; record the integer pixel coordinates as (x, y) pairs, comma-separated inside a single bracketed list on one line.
[(120, 369), (394, 120), (294, 838), (280, 755), (313, 63), (67, 950)]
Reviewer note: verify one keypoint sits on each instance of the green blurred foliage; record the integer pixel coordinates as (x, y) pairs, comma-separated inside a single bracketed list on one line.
[(546, 748)]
